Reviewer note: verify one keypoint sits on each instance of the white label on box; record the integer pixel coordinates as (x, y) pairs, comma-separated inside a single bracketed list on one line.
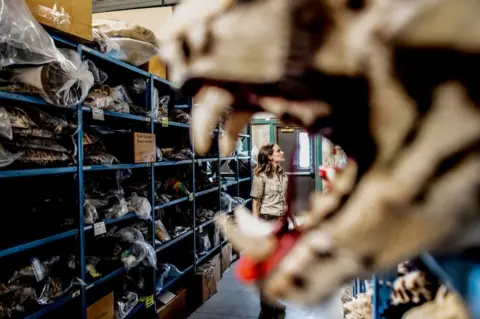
[(166, 297), (99, 228), (97, 114)]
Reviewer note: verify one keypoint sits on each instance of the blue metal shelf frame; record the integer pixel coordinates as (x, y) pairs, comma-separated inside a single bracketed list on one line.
[(79, 170)]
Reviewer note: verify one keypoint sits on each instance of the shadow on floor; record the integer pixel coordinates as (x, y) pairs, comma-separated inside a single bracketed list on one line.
[(235, 301)]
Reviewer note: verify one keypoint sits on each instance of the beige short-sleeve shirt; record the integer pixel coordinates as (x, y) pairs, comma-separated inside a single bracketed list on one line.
[(271, 192)]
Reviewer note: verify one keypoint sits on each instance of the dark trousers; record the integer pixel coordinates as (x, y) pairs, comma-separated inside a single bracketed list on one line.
[(270, 311), (267, 309)]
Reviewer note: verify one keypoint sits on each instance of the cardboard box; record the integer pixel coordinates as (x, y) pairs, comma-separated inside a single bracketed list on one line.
[(206, 283), (176, 308), (144, 147), (157, 67), (102, 309), (73, 17), (226, 256), (218, 267)]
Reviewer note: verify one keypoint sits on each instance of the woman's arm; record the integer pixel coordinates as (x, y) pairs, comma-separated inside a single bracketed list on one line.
[(258, 188), (256, 207)]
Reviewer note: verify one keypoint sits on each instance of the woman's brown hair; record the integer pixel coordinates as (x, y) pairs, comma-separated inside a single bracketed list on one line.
[(263, 162)]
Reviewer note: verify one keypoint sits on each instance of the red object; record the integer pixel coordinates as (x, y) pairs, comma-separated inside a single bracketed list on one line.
[(249, 270)]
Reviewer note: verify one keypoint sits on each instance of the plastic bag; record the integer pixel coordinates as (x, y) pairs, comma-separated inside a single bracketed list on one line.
[(140, 252), (99, 77), (125, 304), (129, 234), (90, 212), (103, 42), (61, 84), (117, 206), (36, 132), (52, 290), (109, 99), (161, 232), (22, 39), (226, 202), (204, 243), (39, 144), (140, 206), (166, 271), (96, 157), (50, 122), (124, 29), (45, 158), (19, 118), (5, 125)]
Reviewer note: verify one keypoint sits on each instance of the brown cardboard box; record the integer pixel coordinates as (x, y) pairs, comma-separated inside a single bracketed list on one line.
[(206, 283), (226, 256), (102, 309), (176, 308), (157, 67), (73, 17), (144, 147), (218, 267)]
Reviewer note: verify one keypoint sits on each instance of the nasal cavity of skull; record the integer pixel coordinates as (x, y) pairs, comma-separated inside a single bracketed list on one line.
[(187, 52), (356, 5)]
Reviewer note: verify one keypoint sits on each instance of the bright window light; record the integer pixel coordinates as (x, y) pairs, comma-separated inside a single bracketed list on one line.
[(304, 159)]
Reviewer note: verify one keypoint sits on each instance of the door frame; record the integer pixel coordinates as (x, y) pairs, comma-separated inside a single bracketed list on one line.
[(317, 146)]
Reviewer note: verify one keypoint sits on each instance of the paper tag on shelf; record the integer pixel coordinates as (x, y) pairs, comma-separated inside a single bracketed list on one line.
[(190, 197), (149, 301), (164, 121), (224, 187), (97, 114), (200, 229), (99, 228), (166, 297), (38, 269)]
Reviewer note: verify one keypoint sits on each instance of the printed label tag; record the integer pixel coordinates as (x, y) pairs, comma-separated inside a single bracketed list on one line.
[(164, 121), (190, 197), (38, 269), (149, 301), (99, 228), (97, 114)]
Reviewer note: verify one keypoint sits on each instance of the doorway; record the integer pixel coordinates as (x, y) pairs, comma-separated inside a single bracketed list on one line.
[(300, 168)]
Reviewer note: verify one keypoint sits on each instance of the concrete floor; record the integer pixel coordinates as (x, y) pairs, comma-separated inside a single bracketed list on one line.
[(235, 301)]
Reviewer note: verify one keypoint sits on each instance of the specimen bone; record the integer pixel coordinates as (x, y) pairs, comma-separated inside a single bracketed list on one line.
[(212, 103), (251, 242)]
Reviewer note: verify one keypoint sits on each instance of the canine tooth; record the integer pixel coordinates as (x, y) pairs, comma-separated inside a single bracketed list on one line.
[(255, 247), (251, 225), (232, 127), (212, 102)]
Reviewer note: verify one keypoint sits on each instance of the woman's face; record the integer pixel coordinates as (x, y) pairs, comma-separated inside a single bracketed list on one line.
[(277, 155)]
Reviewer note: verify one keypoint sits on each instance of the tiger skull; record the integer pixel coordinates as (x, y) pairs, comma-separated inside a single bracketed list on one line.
[(336, 68)]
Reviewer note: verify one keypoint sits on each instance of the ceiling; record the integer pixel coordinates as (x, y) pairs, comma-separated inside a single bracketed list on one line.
[(115, 5)]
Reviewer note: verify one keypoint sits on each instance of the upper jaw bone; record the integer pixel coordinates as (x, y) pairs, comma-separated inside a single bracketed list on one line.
[(211, 103), (252, 237)]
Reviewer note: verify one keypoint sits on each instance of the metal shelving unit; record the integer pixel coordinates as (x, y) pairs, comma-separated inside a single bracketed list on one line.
[(81, 230)]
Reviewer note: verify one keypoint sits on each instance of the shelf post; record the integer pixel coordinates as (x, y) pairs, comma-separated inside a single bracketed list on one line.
[(81, 201)]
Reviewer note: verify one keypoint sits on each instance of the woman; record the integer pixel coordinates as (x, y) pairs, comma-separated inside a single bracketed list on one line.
[(269, 188)]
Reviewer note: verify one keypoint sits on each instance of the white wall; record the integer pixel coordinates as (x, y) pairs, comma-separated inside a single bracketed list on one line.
[(150, 18)]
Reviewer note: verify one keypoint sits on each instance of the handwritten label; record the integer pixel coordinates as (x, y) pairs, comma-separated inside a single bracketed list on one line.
[(97, 114), (144, 147), (149, 301), (164, 121), (99, 228)]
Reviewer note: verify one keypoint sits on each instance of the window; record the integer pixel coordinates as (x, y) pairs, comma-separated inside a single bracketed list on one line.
[(304, 154)]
